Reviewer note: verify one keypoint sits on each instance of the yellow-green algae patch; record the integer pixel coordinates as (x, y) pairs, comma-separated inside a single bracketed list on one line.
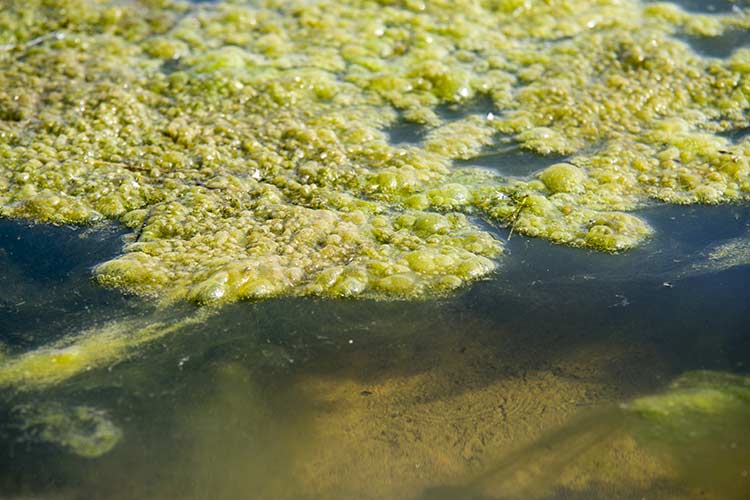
[(695, 397), (701, 419), (725, 255), (89, 349), (81, 430), (246, 143)]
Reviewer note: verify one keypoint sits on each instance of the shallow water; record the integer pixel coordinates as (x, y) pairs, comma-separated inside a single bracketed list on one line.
[(508, 390)]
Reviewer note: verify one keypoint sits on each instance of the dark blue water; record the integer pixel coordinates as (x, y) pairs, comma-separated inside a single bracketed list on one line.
[(46, 280), (709, 6)]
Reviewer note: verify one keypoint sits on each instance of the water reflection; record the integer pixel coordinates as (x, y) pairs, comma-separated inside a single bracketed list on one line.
[(721, 46), (512, 161)]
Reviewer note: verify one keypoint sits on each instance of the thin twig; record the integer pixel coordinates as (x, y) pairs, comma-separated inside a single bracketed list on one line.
[(57, 35), (516, 215)]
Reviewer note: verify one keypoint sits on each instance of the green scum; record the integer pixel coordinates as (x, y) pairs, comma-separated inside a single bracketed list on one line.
[(246, 144)]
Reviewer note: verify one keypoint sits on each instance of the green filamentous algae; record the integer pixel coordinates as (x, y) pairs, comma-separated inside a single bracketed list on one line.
[(246, 144)]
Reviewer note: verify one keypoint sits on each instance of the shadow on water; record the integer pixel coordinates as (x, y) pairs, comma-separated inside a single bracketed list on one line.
[(536, 468), (583, 445)]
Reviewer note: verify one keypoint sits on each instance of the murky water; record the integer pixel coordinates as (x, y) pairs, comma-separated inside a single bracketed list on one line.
[(509, 390)]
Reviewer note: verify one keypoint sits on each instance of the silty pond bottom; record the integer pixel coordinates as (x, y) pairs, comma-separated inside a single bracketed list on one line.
[(571, 375)]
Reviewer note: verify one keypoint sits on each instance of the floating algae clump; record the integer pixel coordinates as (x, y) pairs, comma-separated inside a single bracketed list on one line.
[(246, 143), (82, 430)]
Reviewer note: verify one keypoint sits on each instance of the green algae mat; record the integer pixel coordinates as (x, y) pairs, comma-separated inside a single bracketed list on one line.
[(247, 145), (269, 161)]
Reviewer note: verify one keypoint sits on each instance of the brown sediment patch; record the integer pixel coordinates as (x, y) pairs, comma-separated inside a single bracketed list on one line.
[(330, 436), (362, 426), (465, 408)]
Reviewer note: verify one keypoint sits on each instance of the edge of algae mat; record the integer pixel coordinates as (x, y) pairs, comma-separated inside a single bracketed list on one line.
[(246, 144), (91, 348)]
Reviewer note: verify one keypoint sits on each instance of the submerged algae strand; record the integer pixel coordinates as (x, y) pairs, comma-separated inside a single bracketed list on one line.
[(81, 430), (246, 145), (692, 437), (91, 348), (701, 419)]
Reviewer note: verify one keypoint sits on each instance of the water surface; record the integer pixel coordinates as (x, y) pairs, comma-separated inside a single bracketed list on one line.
[(479, 394)]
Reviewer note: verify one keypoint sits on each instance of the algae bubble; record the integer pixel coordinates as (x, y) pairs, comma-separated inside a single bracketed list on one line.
[(246, 144)]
